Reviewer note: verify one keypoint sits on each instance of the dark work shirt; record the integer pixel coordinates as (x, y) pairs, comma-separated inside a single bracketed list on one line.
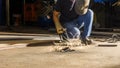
[(67, 15)]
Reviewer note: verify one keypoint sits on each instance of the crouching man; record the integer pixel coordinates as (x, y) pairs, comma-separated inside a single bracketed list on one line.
[(73, 15)]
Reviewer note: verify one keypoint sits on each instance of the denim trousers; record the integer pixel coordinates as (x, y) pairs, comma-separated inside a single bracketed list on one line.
[(73, 27)]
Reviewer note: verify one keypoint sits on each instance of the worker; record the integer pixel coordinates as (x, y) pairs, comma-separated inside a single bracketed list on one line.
[(72, 15)]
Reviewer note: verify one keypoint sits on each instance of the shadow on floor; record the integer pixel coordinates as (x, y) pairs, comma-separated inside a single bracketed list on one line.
[(41, 43)]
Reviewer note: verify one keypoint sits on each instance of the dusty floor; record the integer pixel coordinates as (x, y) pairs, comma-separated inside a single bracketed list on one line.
[(42, 56)]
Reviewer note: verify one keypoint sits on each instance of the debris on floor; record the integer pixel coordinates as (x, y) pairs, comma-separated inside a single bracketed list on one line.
[(69, 42), (113, 39), (66, 46), (61, 49)]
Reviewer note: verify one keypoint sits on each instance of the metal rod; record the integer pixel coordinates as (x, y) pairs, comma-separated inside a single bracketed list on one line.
[(61, 38)]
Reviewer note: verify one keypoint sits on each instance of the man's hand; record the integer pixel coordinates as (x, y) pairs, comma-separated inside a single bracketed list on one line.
[(60, 29)]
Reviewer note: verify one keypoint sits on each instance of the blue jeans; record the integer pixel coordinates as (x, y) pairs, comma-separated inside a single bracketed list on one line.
[(73, 27)]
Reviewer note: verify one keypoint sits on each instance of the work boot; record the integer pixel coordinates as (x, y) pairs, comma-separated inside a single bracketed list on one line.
[(86, 41)]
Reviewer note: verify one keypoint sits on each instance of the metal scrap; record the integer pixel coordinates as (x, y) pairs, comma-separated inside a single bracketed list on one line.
[(113, 39)]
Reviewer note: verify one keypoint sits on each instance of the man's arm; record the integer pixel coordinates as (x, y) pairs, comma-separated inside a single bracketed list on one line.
[(59, 27)]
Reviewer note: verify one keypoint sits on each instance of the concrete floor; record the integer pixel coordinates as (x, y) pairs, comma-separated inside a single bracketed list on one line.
[(34, 54), (41, 56)]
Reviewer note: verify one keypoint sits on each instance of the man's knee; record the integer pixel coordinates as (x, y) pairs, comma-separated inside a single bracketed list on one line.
[(73, 33)]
